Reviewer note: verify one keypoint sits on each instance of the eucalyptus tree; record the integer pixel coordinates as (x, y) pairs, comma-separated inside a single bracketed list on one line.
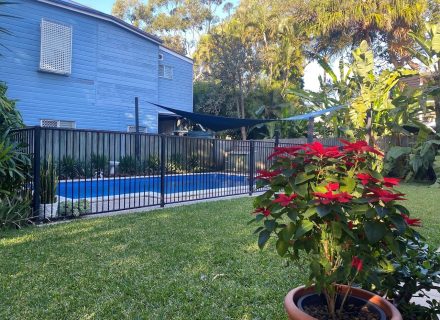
[(178, 22)]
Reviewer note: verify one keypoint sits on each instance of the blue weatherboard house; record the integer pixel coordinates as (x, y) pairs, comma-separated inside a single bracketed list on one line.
[(68, 65)]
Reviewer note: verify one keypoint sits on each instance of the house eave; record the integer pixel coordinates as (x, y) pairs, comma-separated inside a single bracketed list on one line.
[(102, 16)]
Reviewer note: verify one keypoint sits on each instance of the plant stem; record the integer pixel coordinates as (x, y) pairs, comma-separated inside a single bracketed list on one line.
[(341, 308)]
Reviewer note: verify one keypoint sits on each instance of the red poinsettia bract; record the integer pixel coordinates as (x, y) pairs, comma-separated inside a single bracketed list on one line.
[(317, 149), (357, 263), (329, 197), (359, 147), (284, 200), (390, 182), (279, 151), (265, 211), (412, 222), (377, 194)]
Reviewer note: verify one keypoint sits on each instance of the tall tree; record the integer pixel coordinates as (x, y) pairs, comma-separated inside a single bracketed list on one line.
[(180, 23), (231, 61), (340, 25)]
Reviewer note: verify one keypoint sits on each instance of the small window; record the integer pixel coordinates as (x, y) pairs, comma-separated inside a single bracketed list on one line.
[(47, 123), (56, 48), (132, 129), (160, 56), (165, 72)]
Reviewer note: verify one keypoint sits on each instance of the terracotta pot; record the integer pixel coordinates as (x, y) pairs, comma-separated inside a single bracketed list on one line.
[(295, 313)]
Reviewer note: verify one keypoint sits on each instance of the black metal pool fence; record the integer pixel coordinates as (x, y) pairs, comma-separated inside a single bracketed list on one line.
[(78, 172)]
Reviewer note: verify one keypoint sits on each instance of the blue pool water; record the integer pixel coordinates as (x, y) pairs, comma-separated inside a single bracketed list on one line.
[(90, 188)]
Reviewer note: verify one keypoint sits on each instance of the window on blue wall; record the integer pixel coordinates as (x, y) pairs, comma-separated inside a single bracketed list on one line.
[(56, 48), (165, 72)]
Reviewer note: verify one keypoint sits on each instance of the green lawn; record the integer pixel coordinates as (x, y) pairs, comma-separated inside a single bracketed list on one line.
[(192, 262)]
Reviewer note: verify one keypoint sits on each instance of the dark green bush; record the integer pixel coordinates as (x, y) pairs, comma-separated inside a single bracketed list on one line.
[(48, 182), (15, 210), (152, 165), (411, 274), (129, 166), (15, 166), (70, 168), (175, 164), (99, 164)]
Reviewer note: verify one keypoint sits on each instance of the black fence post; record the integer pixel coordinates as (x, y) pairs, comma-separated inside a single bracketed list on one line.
[(36, 173), (162, 170), (251, 166), (277, 138), (136, 141)]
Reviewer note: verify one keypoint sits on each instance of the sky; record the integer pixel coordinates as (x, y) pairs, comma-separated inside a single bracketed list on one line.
[(101, 5), (311, 71)]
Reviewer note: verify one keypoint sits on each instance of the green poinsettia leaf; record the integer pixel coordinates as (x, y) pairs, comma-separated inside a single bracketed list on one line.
[(282, 247), (304, 227), (399, 223), (303, 177), (375, 231), (323, 210), (348, 185), (263, 237)]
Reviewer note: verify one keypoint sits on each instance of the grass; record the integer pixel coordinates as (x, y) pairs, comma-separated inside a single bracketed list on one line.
[(424, 203), (191, 262)]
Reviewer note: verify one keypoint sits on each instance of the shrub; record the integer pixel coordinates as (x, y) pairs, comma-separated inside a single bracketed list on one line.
[(48, 182), (15, 166), (129, 166), (414, 272), (175, 164), (75, 208), (10, 117), (99, 164), (332, 204), (194, 163), (152, 165), (15, 210), (70, 168)]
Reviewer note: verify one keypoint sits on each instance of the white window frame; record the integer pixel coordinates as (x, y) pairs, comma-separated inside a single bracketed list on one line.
[(56, 51), (166, 72), (58, 123), (132, 129)]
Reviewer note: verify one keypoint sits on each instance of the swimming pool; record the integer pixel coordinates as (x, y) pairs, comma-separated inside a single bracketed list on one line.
[(106, 187)]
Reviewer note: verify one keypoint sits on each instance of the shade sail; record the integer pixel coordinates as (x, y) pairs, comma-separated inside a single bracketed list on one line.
[(215, 123), (313, 114), (219, 123)]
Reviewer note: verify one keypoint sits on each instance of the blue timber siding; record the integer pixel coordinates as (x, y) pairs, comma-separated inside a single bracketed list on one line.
[(110, 67), (176, 93)]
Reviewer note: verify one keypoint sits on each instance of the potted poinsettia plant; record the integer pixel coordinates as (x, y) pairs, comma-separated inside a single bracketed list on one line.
[(333, 205)]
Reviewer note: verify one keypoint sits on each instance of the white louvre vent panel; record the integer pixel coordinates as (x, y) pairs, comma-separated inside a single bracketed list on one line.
[(49, 123), (58, 124), (165, 71), (132, 129), (56, 48), (67, 124)]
